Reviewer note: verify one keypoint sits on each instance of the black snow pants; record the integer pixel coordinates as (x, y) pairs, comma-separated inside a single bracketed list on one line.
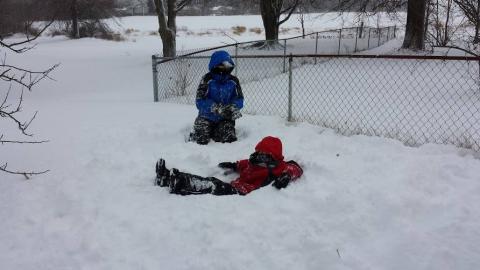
[(190, 184), (222, 131)]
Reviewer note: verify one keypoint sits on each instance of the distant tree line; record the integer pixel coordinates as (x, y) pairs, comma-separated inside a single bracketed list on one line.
[(216, 7), (79, 17), (427, 20)]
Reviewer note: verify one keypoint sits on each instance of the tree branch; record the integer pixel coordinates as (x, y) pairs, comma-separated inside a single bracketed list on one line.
[(28, 78), (25, 79), (11, 46), (27, 175), (290, 10), (460, 49), (181, 5)]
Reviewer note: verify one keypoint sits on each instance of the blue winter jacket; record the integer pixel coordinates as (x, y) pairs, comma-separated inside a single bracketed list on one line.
[(216, 87)]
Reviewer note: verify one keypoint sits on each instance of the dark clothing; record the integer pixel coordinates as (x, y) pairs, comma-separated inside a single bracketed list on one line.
[(219, 100), (264, 167), (214, 89), (189, 184), (222, 131)]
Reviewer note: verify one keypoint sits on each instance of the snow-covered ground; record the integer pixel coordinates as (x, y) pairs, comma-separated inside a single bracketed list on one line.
[(363, 202)]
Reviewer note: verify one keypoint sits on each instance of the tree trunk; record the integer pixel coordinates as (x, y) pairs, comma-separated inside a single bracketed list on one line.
[(270, 11), (476, 38), (167, 29), (204, 8), (74, 15), (415, 28), (151, 7), (427, 18), (169, 43), (446, 37)]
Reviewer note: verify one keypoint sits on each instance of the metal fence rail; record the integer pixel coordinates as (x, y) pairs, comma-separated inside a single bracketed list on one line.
[(337, 41), (340, 41)]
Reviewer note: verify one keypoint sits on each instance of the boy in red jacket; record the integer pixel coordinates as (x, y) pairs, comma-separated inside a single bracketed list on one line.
[(265, 166)]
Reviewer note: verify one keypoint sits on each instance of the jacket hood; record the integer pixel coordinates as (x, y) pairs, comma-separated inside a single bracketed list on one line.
[(219, 57), (272, 146)]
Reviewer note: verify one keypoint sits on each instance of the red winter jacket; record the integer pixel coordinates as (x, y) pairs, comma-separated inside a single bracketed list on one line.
[(253, 176)]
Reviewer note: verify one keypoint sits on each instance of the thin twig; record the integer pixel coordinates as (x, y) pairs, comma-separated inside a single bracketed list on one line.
[(11, 46), (27, 175)]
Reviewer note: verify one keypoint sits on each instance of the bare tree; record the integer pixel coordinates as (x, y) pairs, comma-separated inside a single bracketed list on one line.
[(167, 15), (10, 110), (371, 6), (415, 28), (80, 18), (303, 10), (271, 12), (471, 9), (439, 28), (74, 15), (416, 9), (150, 6)]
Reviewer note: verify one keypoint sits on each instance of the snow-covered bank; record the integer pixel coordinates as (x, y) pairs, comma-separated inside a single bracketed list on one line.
[(379, 203), (363, 203)]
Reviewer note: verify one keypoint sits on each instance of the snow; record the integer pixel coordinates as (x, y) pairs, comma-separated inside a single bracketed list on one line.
[(363, 202), (223, 24)]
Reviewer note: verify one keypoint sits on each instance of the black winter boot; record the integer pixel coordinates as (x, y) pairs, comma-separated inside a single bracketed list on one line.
[(163, 174)]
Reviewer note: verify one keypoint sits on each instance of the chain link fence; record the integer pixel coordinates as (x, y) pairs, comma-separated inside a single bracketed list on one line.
[(175, 76), (415, 99), (338, 41)]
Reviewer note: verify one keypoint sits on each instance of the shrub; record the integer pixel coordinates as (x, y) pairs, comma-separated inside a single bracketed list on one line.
[(131, 30), (238, 30), (256, 30)]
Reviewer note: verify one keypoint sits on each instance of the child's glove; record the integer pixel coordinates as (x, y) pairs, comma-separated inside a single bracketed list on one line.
[(282, 181), (228, 165), (232, 112), (218, 109)]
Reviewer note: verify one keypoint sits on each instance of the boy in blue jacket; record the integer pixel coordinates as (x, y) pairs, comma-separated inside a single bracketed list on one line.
[(219, 100)]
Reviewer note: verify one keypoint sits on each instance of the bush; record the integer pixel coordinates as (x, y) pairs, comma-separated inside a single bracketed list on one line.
[(97, 29), (238, 30), (131, 31), (256, 30)]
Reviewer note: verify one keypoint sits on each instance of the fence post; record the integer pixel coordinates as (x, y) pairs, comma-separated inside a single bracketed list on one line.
[(379, 35), (284, 55), (316, 46), (478, 72), (290, 78), (368, 43), (236, 59), (339, 40), (361, 31), (356, 40), (155, 78), (395, 31)]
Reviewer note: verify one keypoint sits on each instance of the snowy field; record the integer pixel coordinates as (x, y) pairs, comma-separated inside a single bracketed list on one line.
[(363, 202)]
